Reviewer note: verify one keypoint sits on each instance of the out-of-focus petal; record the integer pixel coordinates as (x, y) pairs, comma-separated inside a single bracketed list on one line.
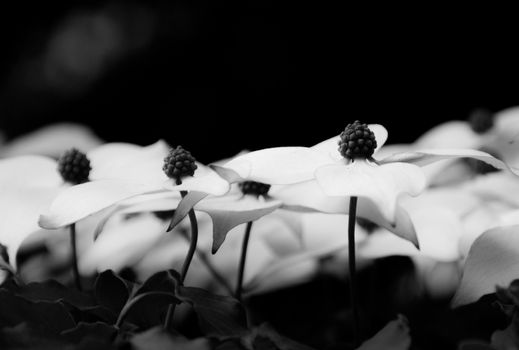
[(29, 171), (501, 186), (129, 162), (77, 202), (52, 141), (123, 244), (20, 208), (438, 232), (382, 184), (493, 260), (429, 156), (452, 134), (280, 165)]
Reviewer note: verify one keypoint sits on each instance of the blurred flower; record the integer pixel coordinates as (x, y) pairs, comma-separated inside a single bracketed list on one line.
[(52, 141)]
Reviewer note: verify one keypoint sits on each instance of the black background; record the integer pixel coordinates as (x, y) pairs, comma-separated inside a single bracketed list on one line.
[(221, 77)]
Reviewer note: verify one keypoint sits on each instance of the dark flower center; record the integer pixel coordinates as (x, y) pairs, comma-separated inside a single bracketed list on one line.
[(179, 163), (254, 188), (481, 120), (357, 141), (74, 166)]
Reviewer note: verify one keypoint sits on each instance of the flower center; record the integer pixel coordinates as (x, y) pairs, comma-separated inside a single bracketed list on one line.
[(74, 166), (254, 188), (179, 163), (357, 141), (481, 120)]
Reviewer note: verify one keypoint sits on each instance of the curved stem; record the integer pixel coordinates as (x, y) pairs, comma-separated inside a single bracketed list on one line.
[(73, 244), (187, 262), (241, 269), (351, 260)]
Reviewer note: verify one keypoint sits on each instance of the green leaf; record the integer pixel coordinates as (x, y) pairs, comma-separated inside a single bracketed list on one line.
[(157, 339), (148, 309), (99, 331), (51, 317), (493, 259), (217, 315), (23, 336), (163, 281), (111, 291)]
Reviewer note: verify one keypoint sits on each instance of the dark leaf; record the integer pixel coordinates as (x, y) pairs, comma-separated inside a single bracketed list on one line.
[(48, 316), (53, 291), (217, 315), (230, 344), (147, 310), (24, 337), (163, 281), (475, 345), (111, 291), (157, 339), (100, 331)]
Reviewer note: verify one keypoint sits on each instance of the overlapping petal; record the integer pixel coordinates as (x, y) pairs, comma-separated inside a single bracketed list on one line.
[(204, 180), (274, 166), (77, 202), (382, 184)]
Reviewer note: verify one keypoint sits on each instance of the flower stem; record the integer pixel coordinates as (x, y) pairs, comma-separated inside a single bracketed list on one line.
[(241, 269), (351, 260), (75, 269), (187, 262)]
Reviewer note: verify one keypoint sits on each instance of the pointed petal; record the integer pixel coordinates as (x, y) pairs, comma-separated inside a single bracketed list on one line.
[(493, 260), (427, 156), (129, 162), (228, 212), (452, 134), (185, 205), (29, 171), (381, 184), (438, 232), (308, 196), (280, 165), (77, 202), (205, 180)]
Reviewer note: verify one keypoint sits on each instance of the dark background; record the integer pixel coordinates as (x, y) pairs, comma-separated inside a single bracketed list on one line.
[(221, 77)]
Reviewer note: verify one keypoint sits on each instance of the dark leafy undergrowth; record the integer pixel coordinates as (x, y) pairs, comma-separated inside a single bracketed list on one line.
[(118, 313)]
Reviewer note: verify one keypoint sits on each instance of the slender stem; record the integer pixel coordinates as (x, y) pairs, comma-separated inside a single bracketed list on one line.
[(241, 269), (351, 259), (189, 257), (73, 244), (202, 256)]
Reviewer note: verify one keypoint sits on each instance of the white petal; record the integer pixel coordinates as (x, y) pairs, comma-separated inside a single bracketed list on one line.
[(452, 134), (309, 196), (493, 260), (438, 232), (29, 171), (20, 208), (130, 162), (80, 201), (428, 156), (280, 165), (229, 212), (206, 180), (123, 244), (381, 184), (52, 141)]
